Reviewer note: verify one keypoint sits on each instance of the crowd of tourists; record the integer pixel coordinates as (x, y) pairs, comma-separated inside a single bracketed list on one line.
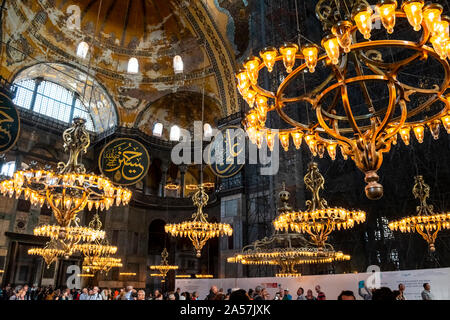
[(238, 295)]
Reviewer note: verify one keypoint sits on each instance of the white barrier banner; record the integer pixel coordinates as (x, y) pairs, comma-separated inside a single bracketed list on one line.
[(332, 285)]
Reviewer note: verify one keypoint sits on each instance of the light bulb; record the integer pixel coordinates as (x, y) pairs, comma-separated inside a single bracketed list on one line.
[(289, 51), (270, 138), (439, 46), (432, 14), (297, 138), (440, 28), (331, 45), (243, 81), (251, 65), (268, 55), (404, 134), (419, 131), (310, 54), (342, 32), (331, 148), (284, 140), (362, 15), (386, 10), (446, 122), (413, 10), (249, 96)]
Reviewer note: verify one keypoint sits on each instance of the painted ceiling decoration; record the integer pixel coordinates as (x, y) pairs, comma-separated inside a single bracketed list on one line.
[(150, 30)]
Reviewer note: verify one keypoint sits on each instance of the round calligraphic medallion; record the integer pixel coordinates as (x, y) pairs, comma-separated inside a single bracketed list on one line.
[(9, 121), (226, 153), (125, 161)]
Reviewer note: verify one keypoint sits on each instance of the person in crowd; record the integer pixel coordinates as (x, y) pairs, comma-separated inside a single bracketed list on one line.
[(346, 295), (239, 296), (122, 295), (212, 293), (401, 291), (183, 296), (383, 294), (426, 293), (129, 293), (65, 296), (141, 295), (84, 294), (265, 294), (194, 295), (158, 295), (95, 294), (300, 294), (258, 293), (49, 294), (309, 295), (105, 294), (286, 295), (250, 293), (368, 292), (177, 294), (17, 294), (320, 293)]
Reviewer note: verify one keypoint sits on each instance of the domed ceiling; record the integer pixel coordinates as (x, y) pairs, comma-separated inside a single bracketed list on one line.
[(153, 31)]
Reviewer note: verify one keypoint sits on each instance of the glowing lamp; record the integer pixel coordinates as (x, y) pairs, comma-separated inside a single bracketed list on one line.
[(432, 14), (251, 65), (331, 45), (342, 33), (310, 54), (362, 15), (386, 10), (268, 55), (413, 10), (288, 50), (297, 138)]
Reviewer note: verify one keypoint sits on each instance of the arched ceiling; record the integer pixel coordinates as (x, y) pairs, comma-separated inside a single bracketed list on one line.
[(173, 109), (153, 31)]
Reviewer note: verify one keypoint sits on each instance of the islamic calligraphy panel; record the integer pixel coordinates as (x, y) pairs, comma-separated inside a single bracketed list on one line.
[(125, 161), (9, 122)]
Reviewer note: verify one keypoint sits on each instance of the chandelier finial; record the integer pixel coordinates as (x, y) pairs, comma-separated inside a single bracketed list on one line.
[(314, 181), (76, 141)]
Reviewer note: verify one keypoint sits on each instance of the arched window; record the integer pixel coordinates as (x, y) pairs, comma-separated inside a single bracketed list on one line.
[(175, 133), (158, 129), (178, 64), (133, 65), (8, 169), (61, 92), (51, 100), (207, 129), (82, 49)]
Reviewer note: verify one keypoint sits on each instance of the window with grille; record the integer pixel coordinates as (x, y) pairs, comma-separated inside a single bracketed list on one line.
[(52, 100)]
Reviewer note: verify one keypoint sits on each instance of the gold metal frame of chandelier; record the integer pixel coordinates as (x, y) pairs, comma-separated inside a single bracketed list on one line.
[(98, 246), (50, 253), (319, 220), (164, 266), (286, 249), (426, 223), (68, 190), (365, 144), (199, 230)]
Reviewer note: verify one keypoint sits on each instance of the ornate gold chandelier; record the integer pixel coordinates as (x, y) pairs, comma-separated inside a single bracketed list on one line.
[(98, 252), (363, 135), (101, 264), (50, 253), (285, 249), (164, 266), (70, 189), (319, 220), (199, 230), (425, 222)]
